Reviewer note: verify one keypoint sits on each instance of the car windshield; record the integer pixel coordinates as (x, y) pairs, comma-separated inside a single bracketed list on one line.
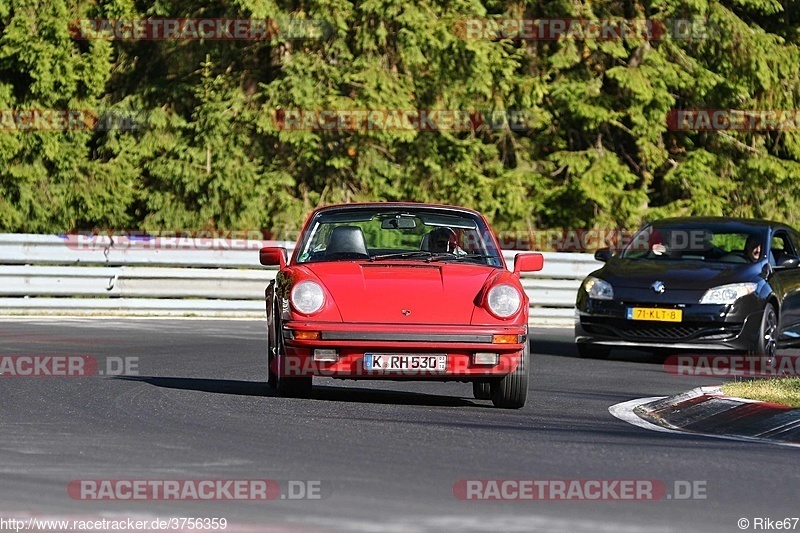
[(382, 234), (719, 243)]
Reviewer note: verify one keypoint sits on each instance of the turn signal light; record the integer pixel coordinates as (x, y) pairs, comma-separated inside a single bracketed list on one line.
[(306, 335), (505, 339)]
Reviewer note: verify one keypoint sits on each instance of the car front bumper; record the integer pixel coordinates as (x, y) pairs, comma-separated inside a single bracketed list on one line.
[(703, 327), (350, 342)]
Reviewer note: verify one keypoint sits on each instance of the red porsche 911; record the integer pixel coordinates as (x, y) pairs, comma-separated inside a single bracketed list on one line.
[(399, 291)]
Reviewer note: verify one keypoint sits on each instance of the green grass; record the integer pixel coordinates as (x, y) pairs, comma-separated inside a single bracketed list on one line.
[(785, 391)]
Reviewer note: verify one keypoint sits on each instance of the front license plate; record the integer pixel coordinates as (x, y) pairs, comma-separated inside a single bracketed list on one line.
[(658, 315), (383, 361)]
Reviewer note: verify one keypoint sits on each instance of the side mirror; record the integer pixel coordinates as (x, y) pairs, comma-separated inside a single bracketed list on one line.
[(603, 254), (270, 256), (788, 261), (528, 263)]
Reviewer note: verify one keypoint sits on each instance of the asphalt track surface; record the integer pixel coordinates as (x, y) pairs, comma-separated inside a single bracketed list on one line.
[(387, 454)]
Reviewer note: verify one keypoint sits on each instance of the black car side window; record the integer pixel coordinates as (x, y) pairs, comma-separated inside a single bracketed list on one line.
[(781, 244), (794, 240)]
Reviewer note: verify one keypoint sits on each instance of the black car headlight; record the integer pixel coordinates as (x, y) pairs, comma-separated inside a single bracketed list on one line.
[(727, 294), (598, 289)]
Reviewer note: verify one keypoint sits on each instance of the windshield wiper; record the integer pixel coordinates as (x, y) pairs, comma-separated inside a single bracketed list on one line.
[(402, 255), (431, 256), (447, 256)]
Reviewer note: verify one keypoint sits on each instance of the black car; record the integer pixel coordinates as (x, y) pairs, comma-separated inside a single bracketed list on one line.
[(694, 284)]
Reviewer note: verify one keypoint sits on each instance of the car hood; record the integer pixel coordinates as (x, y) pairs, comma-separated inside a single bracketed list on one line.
[(682, 275), (411, 293)]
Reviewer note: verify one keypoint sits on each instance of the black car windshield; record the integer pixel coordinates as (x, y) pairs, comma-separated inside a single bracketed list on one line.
[(719, 243), (385, 234)]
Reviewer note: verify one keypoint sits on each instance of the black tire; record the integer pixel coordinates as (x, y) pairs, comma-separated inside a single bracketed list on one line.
[(767, 342), (592, 351), (482, 390), (512, 391), (272, 378), (295, 387), (272, 350)]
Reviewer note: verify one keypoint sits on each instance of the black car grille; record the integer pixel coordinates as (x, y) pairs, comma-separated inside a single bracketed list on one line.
[(650, 332), (660, 332)]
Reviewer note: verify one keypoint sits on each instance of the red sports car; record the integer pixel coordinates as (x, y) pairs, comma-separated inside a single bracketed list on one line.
[(399, 291)]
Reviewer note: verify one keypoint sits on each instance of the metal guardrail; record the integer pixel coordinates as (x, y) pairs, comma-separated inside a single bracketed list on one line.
[(49, 274)]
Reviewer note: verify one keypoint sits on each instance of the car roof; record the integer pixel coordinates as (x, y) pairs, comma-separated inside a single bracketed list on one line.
[(395, 205), (734, 221)]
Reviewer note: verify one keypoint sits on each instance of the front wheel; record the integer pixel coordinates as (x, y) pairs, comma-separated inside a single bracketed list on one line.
[(482, 390), (272, 349), (512, 391), (290, 387), (767, 343), (272, 378), (295, 387)]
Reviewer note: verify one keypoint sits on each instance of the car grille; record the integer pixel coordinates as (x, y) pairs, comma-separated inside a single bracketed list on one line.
[(662, 332)]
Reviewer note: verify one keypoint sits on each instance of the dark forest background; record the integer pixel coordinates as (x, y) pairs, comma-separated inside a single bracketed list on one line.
[(597, 152)]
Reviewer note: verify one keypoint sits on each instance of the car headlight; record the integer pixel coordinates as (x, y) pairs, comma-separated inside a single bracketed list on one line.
[(308, 297), (503, 300), (727, 294), (598, 289)]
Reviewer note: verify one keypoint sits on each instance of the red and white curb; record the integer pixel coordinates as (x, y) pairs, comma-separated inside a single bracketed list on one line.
[(706, 411)]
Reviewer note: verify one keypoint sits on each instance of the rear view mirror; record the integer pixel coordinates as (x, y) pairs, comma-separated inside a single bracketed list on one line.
[(399, 222), (603, 254), (272, 256)]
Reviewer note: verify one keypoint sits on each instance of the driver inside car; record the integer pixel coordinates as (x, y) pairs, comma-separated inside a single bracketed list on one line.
[(657, 247), (444, 240), (752, 248)]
